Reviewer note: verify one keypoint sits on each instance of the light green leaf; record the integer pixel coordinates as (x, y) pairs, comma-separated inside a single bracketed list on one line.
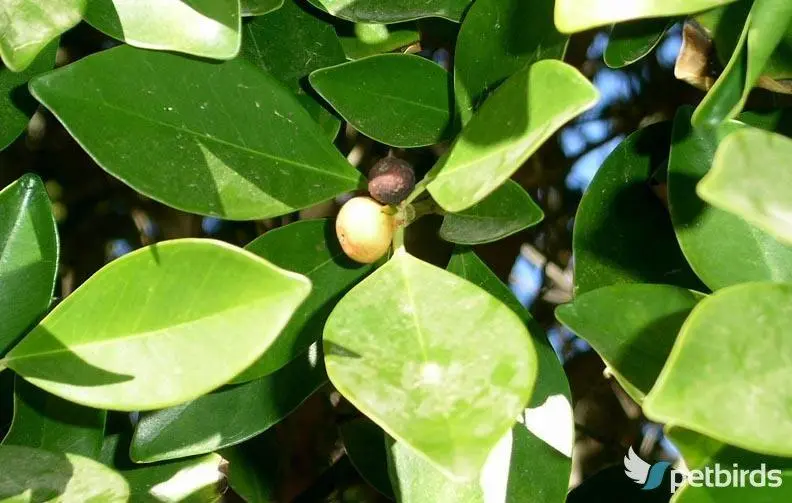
[(307, 247), (228, 416), (371, 39), (364, 443), (175, 309), (765, 27), (622, 230), (745, 179), (289, 44), (745, 402), (173, 128), (504, 212), (16, 104), (393, 11), (446, 377), (28, 257), (510, 126), (631, 41), (27, 26), (578, 15), (721, 247), (37, 475), (371, 94), (44, 421), (498, 38), (206, 28), (260, 7), (632, 327)]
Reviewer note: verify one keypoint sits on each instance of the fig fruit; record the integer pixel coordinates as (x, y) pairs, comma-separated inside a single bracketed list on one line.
[(391, 180), (364, 229)]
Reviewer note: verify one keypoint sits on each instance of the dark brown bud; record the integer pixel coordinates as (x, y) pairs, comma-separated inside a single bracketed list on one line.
[(391, 180)]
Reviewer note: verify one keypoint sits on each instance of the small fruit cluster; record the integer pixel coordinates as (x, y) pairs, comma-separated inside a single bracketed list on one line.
[(364, 226)]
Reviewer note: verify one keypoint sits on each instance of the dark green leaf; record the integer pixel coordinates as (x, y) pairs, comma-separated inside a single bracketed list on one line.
[(176, 309), (45, 421), (177, 129), (253, 468), (393, 11), (206, 28), (364, 443), (289, 44), (260, 7), (507, 210), (371, 39), (623, 233), (28, 257), (308, 247), (631, 41), (228, 416), (398, 99), (498, 38), (632, 327)]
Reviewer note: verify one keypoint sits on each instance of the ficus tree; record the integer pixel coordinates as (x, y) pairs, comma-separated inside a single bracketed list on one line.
[(232, 110)]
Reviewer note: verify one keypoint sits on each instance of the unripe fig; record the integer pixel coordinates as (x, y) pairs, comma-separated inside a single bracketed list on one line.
[(364, 229), (391, 180)]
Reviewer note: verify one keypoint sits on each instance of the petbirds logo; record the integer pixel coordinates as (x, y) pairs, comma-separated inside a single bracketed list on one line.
[(641, 472)]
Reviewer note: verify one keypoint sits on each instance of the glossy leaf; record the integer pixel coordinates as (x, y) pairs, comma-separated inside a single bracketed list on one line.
[(371, 39), (289, 44), (260, 7), (228, 416), (721, 247), (364, 443), (623, 233), (185, 145), (504, 212), (206, 28), (307, 247), (446, 378), (28, 257), (631, 41), (28, 26), (37, 475), (45, 421), (393, 11), (745, 180), (498, 38), (632, 327), (510, 126), (177, 308), (579, 15), (371, 95), (764, 29), (737, 367), (16, 104)]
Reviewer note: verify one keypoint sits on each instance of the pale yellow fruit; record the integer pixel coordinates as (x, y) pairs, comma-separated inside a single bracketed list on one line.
[(364, 229)]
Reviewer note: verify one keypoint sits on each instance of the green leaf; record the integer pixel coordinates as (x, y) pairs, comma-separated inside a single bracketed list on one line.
[(393, 11), (444, 367), (374, 96), (228, 416), (45, 421), (721, 247), (744, 398), (632, 327), (308, 247), (16, 104), (289, 44), (37, 475), (206, 28), (28, 26), (504, 212), (176, 309), (745, 179), (371, 39), (364, 443), (578, 15), (260, 7), (763, 31), (631, 41), (254, 471), (498, 38), (623, 233), (193, 480), (28, 257), (510, 126), (186, 144)]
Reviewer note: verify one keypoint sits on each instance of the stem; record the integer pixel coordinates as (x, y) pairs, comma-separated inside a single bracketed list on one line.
[(398, 238)]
